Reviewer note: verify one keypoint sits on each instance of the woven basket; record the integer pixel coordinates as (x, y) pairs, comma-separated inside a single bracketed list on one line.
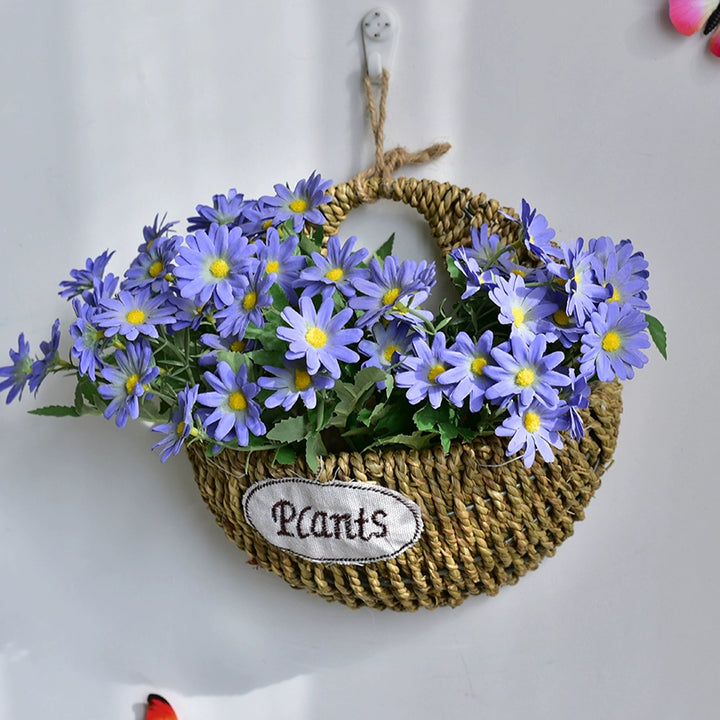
[(487, 521)]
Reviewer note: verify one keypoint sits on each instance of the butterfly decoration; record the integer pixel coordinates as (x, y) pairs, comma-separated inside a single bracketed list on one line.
[(158, 708), (689, 16)]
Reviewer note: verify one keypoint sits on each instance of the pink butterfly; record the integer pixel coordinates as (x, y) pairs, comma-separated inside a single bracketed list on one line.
[(688, 16)]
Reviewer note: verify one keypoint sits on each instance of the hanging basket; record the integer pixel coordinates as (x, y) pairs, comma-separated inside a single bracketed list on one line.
[(486, 520)]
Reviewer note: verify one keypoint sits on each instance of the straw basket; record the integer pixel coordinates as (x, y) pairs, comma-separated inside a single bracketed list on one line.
[(486, 521)]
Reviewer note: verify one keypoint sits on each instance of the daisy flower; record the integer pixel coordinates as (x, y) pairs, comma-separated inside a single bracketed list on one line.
[(152, 232), (234, 412), (292, 383), (180, 428), (18, 372), (525, 309), (84, 279), (525, 373), (42, 367), (532, 429), (250, 298), (537, 234), (465, 376), (153, 267), (210, 263), (389, 344), (301, 204), (225, 210), (128, 381), (612, 345), (339, 270), (89, 339), (277, 257), (319, 336), (421, 369), (132, 315)]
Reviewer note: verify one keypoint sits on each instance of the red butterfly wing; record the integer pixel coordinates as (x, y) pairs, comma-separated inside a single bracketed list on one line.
[(715, 43), (158, 708), (689, 16)]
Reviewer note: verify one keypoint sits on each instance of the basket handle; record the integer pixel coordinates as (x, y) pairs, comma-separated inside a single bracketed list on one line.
[(449, 211)]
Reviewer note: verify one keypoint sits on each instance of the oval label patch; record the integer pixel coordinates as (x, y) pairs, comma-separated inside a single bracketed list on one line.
[(350, 523)]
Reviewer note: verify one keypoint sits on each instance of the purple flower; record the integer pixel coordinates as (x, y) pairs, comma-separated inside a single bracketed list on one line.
[(18, 372), (132, 315), (525, 309), (211, 263), (301, 204), (532, 429), (389, 286), (475, 278), (421, 370), (89, 339), (277, 257), (42, 367), (484, 247), (128, 381), (181, 427), (234, 410), (225, 210), (339, 270), (613, 342), (537, 234), (319, 336), (525, 373), (621, 270), (389, 345), (291, 383), (152, 232), (466, 375), (153, 267), (250, 298), (84, 279), (581, 283), (224, 344)]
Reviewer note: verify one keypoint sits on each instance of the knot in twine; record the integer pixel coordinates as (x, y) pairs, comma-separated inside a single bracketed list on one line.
[(386, 163)]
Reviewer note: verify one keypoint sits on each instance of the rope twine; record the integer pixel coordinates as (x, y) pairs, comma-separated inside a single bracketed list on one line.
[(386, 163)]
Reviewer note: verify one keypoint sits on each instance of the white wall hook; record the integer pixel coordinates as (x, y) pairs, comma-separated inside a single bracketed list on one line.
[(379, 29)]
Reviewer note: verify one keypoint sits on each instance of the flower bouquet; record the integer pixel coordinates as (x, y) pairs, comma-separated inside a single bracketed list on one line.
[(270, 348)]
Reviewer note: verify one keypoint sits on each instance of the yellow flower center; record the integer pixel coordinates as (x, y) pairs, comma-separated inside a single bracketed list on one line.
[(272, 267), (615, 296), (135, 317), (155, 269), (237, 346), (335, 274), (561, 318), (131, 382), (250, 300), (390, 350), (180, 428), (302, 379), (478, 364), (525, 377), (298, 206), (267, 224), (219, 268), (518, 317), (237, 401), (316, 337), (531, 421), (611, 341), (435, 370), (518, 271), (390, 296)]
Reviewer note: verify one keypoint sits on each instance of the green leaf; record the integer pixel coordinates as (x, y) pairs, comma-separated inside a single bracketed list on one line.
[(352, 396), (314, 448), (417, 440), (308, 245), (56, 411), (657, 333), (285, 455), (386, 248), (288, 430), (455, 275), (429, 419)]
